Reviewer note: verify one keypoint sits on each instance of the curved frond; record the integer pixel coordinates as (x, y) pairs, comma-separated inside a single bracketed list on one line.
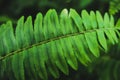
[(53, 43)]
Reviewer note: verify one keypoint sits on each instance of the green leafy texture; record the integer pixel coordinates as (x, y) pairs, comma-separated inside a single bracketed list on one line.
[(53, 43), (117, 25), (4, 18), (114, 6), (107, 66)]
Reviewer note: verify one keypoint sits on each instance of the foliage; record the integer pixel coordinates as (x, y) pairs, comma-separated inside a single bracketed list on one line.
[(114, 6), (59, 32), (54, 43), (107, 66)]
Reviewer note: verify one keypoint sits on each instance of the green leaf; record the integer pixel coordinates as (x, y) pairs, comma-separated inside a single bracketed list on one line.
[(53, 43), (77, 19), (102, 39), (86, 20), (99, 20), (91, 40)]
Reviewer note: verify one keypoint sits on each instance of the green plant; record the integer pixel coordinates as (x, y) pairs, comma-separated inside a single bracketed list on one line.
[(107, 66), (54, 43), (114, 6)]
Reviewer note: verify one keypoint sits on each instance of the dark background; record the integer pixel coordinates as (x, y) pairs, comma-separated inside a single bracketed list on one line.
[(14, 9)]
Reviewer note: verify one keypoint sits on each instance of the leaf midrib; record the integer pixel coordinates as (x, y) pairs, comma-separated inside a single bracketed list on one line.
[(52, 39)]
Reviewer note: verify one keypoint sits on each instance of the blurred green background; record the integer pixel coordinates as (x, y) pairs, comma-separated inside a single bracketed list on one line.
[(14, 9)]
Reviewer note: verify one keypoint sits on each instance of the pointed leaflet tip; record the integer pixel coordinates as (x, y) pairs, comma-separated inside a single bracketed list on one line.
[(118, 23), (64, 12)]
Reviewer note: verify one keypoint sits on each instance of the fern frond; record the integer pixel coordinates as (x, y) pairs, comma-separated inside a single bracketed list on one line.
[(53, 43)]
